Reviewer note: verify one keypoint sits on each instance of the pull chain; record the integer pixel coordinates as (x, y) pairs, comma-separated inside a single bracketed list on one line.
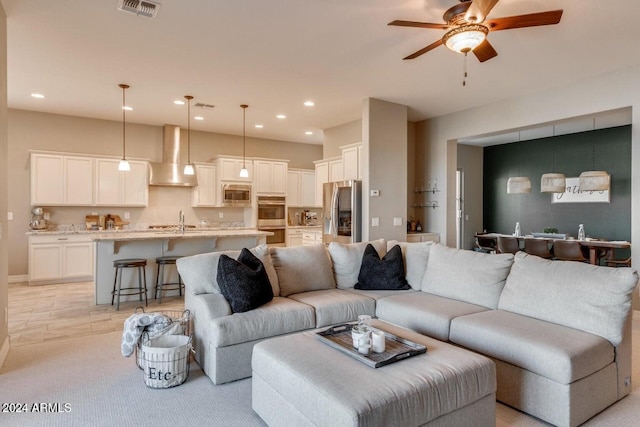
[(464, 70)]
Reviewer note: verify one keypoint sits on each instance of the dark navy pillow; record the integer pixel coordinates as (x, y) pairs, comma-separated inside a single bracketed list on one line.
[(244, 283), (382, 274)]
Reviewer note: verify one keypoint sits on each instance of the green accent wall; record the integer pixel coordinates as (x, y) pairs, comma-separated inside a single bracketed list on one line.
[(605, 149)]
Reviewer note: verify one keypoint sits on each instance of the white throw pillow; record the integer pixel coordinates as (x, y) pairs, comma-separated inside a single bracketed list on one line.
[(415, 256), (347, 259), (302, 269)]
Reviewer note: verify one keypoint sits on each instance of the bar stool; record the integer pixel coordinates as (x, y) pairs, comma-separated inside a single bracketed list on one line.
[(161, 286), (120, 264)]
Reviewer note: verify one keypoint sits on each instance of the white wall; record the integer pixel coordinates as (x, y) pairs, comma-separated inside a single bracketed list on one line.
[(337, 136), (4, 245)]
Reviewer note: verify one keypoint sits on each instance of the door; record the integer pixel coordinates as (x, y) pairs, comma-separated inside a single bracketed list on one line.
[(460, 208)]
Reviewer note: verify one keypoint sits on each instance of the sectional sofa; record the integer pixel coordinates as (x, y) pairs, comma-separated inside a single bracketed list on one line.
[(559, 332)]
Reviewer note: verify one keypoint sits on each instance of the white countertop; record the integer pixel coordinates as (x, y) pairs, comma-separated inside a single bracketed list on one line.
[(128, 235), (305, 227)]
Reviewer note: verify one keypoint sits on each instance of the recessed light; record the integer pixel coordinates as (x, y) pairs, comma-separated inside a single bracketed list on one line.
[(178, 102), (198, 118), (127, 108), (281, 116), (308, 132), (259, 126), (37, 95), (309, 103)]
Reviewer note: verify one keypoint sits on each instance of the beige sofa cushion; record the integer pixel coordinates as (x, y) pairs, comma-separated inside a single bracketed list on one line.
[(347, 258), (415, 256), (302, 269), (199, 272), (466, 275), (574, 294)]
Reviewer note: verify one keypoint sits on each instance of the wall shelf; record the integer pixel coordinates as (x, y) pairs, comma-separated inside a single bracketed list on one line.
[(433, 205)]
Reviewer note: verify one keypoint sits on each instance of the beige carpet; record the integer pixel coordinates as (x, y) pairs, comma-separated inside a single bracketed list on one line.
[(92, 384)]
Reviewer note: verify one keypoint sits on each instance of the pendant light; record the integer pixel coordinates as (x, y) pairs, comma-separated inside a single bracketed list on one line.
[(188, 168), (518, 185), (124, 163), (244, 173), (594, 180), (553, 182)]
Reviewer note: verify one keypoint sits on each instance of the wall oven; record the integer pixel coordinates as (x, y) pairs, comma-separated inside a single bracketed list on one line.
[(272, 217), (236, 195)]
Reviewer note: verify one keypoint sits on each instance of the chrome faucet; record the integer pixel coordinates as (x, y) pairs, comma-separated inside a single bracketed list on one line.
[(181, 222)]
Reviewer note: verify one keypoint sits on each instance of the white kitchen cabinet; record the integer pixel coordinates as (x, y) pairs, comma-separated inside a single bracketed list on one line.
[(58, 180), (423, 237), (118, 188), (351, 163), (206, 192), (229, 169), (322, 176), (60, 258), (335, 170), (270, 177), (301, 188), (311, 237), (294, 237)]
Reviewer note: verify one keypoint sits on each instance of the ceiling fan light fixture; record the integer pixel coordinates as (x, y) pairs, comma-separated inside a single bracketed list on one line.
[(465, 38), (594, 181), (518, 185), (553, 183)]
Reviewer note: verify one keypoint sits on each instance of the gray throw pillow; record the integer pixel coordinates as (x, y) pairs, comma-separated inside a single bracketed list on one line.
[(244, 283), (382, 274)]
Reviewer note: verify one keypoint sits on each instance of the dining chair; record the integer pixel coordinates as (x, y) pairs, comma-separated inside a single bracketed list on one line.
[(508, 245), (568, 250), (537, 247), (486, 244), (619, 262)]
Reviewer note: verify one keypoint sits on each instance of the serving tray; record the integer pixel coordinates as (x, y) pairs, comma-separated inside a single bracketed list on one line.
[(396, 348)]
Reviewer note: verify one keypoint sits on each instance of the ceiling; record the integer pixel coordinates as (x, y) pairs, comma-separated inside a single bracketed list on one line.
[(276, 54)]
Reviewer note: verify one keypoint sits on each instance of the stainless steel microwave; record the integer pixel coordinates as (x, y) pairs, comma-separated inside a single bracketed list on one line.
[(236, 195)]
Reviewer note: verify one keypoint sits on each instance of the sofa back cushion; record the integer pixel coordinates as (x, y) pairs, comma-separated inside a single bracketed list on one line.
[(415, 257), (347, 259), (302, 269), (199, 272), (581, 296), (465, 275)]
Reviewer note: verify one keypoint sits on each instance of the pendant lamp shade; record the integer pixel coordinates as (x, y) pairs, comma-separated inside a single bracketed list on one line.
[(553, 183), (124, 163), (518, 185), (594, 181), (188, 168), (244, 172)]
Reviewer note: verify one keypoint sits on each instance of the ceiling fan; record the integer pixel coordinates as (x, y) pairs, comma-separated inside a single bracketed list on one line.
[(468, 26)]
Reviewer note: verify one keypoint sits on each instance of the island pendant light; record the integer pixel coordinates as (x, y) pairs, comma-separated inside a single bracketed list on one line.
[(244, 172), (124, 163), (518, 185), (188, 168)]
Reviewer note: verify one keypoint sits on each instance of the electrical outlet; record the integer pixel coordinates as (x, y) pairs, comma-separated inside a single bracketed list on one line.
[(375, 222), (47, 216), (375, 193), (10, 216), (127, 215), (397, 221), (220, 215)]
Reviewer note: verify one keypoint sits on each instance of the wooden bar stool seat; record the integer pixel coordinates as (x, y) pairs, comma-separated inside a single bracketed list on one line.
[(537, 247), (118, 290), (161, 285)]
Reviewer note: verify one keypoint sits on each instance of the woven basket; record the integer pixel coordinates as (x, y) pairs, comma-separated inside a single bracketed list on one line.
[(165, 360)]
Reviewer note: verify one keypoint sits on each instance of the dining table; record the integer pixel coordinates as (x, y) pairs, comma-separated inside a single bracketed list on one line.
[(596, 247)]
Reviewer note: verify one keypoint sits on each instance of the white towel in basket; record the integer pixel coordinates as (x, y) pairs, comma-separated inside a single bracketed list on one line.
[(138, 323)]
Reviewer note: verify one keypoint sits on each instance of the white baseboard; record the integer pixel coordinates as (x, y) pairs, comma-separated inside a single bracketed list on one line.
[(4, 350), (21, 278)]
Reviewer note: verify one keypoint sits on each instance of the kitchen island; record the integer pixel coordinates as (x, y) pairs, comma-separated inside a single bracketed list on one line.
[(110, 246)]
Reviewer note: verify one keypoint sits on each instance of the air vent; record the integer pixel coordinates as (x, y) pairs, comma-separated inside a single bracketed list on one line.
[(203, 106), (139, 7)]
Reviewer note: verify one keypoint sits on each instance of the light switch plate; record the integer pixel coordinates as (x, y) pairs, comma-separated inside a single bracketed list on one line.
[(127, 215), (397, 221), (10, 216), (375, 222), (375, 193)]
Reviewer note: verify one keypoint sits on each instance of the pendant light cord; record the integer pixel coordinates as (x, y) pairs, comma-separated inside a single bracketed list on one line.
[(244, 127), (124, 111)]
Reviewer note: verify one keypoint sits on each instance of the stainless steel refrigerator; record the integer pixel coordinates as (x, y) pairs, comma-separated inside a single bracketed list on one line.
[(342, 212)]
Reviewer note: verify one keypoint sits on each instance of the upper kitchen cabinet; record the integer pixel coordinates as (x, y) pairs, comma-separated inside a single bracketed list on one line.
[(322, 176), (301, 188), (335, 170), (351, 165), (270, 176), (58, 179), (206, 192), (117, 188), (229, 169)]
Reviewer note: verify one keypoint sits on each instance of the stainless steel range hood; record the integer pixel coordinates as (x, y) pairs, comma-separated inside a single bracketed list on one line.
[(170, 171)]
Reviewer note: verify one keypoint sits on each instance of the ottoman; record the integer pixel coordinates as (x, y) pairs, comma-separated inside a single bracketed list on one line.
[(300, 381)]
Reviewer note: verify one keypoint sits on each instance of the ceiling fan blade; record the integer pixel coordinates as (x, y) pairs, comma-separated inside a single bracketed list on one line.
[(424, 49), (484, 51), (521, 21), (419, 24), (479, 10)]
